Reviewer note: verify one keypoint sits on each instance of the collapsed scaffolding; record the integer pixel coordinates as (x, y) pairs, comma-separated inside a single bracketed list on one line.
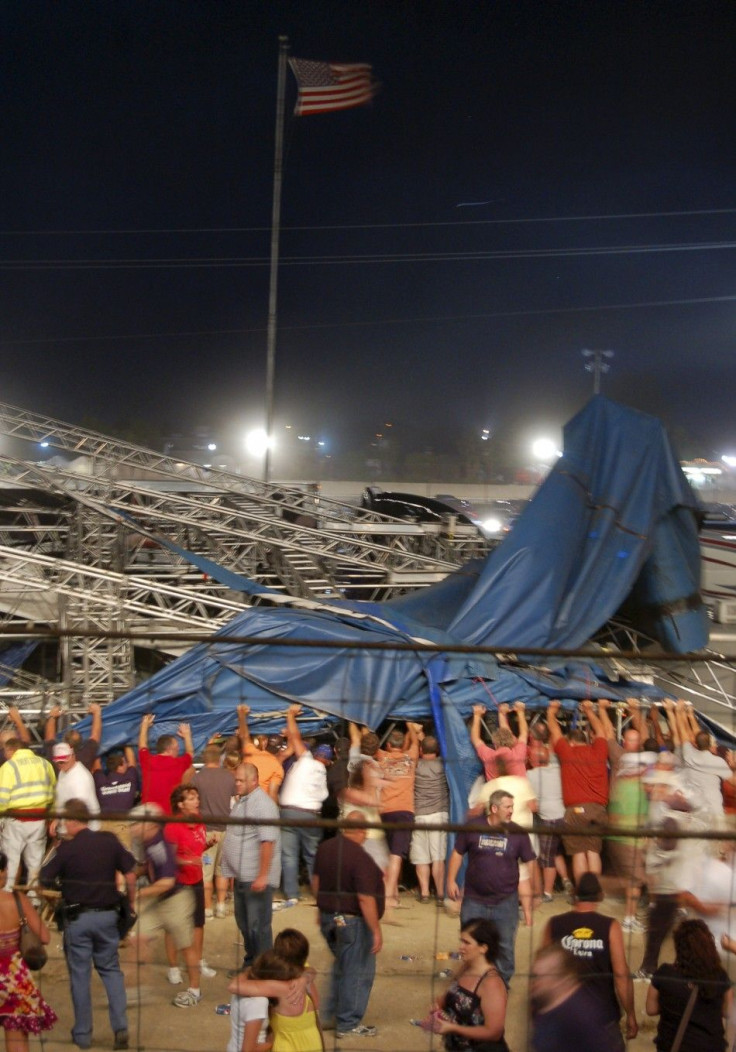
[(116, 566), (104, 547)]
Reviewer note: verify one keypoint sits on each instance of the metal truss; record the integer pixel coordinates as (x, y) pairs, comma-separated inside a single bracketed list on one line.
[(708, 683), (148, 604), (113, 458), (296, 559), (96, 609), (83, 552)]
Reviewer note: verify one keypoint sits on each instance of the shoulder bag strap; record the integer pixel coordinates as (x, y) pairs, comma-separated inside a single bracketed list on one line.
[(21, 914), (685, 1019)]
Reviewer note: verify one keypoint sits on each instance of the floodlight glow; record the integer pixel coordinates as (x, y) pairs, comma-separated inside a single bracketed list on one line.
[(492, 525), (544, 450), (257, 442)]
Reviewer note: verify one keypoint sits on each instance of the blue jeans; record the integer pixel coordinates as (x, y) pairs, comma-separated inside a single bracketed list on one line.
[(93, 939), (353, 970), (253, 913), (296, 841), (505, 915)]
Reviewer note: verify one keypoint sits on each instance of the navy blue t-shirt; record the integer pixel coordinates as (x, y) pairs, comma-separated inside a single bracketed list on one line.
[(118, 791), (160, 858), (494, 853)]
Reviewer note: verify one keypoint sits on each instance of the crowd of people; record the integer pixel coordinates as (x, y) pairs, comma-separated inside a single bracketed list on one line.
[(563, 807)]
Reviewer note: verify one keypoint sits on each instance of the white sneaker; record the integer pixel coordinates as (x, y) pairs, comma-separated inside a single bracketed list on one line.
[(205, 971), (208, 914), (220, 910), (187, 999), (286, 904), (633, 926), (174, 976), (358, 1031)]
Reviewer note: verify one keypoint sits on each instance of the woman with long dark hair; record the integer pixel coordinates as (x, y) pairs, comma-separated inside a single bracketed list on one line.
[(697, 969), (471, 1015)]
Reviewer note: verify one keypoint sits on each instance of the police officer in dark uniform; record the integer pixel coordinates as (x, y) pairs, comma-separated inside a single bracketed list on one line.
[(85, 867)]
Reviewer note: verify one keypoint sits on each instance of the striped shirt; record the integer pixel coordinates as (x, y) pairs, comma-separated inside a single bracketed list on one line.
[(241, 846)]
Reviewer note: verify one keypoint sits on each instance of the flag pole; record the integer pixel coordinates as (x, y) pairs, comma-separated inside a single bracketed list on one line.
[(275, 232)]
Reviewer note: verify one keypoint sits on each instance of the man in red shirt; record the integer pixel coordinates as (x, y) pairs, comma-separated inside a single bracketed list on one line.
[(584, 775), (163, 770)]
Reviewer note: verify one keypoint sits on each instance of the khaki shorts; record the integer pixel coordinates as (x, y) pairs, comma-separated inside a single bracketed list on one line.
[(626, 860), (581, 817), (120, 829), (174, 914), (213, 868), (428, 845)]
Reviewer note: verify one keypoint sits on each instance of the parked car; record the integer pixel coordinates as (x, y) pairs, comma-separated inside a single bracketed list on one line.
[(420, 509)]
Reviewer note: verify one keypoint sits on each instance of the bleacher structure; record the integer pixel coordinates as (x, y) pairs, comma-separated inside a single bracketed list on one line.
[(93, 550), (96, 549)]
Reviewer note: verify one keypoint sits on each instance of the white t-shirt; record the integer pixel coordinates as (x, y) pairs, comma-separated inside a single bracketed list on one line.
[(305, 784), (704, 773), (244, 1010), (77, 784), (547, 785), (716, 885)]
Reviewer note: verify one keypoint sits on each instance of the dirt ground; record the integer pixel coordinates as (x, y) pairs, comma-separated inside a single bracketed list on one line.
[(403, 989)]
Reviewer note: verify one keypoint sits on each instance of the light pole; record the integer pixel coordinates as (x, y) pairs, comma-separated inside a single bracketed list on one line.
[(278, 165), (596, 365)]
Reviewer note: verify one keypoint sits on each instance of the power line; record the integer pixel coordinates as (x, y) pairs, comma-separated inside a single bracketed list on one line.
[(598, 217), (366, 258), (419, 319)]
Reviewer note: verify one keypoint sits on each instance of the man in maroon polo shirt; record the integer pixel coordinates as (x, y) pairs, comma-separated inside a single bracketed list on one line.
[(584, 775), (348, 887)]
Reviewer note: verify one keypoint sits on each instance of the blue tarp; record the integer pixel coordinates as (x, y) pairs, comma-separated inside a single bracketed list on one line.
[(12, 658), (614, 516), (614, 523)]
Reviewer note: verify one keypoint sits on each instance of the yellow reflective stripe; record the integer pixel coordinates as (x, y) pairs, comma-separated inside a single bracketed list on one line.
[(25, 795), (26, 781)]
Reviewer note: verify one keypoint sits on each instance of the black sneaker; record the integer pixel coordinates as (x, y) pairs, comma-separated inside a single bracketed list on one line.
[(121, 1039)]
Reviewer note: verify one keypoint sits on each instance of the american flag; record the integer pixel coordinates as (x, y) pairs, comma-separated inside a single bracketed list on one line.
[(327, 86)]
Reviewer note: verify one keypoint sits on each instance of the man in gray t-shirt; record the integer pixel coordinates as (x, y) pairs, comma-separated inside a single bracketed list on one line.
[(216, 787), (703, 771), (428, 849)]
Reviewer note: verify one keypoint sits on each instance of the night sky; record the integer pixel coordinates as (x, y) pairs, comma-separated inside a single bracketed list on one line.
[(448, 250)]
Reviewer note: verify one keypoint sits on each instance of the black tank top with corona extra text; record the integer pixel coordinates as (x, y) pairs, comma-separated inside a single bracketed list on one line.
[(587, 937)]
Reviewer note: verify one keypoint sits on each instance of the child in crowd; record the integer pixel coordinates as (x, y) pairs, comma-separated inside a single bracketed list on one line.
[(282, 977)]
